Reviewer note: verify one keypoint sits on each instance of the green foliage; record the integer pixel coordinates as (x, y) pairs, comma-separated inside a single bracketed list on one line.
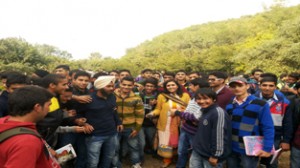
[(268, 40)]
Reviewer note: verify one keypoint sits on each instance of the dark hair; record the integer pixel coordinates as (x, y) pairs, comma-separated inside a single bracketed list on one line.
[(193, 72), (179, 90), (73, 71), (169, 74), (51, 78), (146, 70), (82, 73), (181, 70), (98, 74), (202, 83), (151, 80), (268, 77), (206, 92), (116, 71), (127, 78), (283, 75), (65, 67), (294, 75), (256, 70), (41, 73), (23, 100), (125, 70), (16, 78), (219, 74)]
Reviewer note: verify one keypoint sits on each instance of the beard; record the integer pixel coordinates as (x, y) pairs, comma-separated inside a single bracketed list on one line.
[(104, 93)]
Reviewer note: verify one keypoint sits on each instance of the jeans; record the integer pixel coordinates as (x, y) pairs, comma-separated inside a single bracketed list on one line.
[(100, 149), (78, 142), (146, 137), (237, 160), (266, 161), (184, 148), (126, 142), (197, 161), (295, 157)]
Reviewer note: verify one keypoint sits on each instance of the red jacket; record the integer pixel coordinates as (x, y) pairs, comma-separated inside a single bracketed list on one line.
[(23, 151)]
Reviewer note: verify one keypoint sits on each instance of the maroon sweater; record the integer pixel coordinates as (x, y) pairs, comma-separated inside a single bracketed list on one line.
[(224, 97)]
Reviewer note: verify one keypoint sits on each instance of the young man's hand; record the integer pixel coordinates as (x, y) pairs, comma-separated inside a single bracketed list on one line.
[(262, 153), (82, 99), (213, 161), (133, 134), (88, 128), (120, 128), (79, 129), (285, 146)]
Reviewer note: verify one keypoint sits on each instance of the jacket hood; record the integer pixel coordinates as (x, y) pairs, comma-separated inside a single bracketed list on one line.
[(6, 124)]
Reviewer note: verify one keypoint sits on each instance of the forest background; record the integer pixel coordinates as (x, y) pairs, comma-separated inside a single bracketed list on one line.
[(269, 40)]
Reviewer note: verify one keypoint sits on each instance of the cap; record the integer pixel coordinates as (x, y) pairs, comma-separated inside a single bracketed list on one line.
[(237, 79)]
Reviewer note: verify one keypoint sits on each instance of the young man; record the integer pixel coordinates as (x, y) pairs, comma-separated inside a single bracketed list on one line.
[(131, 111), (102, 116), (55, 84), (180, 77), (280, 112), (189, 126), (193, 75), (217, 81), (149, 97), (289, 87), (27, 106), (249, 116), (14, 81), (254, 80)]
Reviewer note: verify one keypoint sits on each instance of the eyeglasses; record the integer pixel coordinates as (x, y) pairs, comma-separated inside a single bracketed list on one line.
[(213, 79)]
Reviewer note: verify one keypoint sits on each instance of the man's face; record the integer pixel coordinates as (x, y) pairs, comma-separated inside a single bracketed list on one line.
[(61, 86), (168, 77), (239, 89), (149, 88), (291, 80), (114, 74), (65, 97), (193, 88), (180, 76), (267, 89), (108, 89), (193, 76), (82, 82), (147, 74), (126, 86), (124, 74), (215, 81), (256, 75), (13, 87), (62, 72)]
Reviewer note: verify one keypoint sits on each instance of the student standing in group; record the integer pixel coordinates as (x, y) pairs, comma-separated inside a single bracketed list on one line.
[(131, 112), (217, 81), (249, 116), (211, 141), (172, 98), (27, 106), (280, 112), (189, 126)]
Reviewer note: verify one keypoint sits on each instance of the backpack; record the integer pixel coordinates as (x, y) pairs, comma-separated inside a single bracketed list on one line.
[(19, 131)]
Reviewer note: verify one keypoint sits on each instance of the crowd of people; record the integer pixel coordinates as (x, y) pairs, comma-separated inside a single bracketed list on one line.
[(193, 119)]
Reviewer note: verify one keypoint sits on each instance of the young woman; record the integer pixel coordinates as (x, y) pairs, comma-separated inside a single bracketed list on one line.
[(167, 125)]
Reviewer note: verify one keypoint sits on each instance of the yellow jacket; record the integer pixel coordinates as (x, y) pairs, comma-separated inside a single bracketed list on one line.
[(162, 108)]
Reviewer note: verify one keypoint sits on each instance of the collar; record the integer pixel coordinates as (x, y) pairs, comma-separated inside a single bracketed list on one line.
[(239, 102), (273, 98), (218, 91)]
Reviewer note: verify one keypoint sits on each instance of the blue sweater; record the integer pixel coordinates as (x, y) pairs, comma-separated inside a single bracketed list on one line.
[(215, 125), (253, 117), (282, 116), (101, 114)]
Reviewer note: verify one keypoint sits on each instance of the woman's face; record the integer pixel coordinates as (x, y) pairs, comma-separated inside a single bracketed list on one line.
[(204, 101), (172, 87)]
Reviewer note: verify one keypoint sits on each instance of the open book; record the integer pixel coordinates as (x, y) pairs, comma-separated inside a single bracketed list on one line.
[(65, 153), (253, 144)]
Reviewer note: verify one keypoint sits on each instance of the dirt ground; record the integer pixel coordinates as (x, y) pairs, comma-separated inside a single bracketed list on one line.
[(151, 162)]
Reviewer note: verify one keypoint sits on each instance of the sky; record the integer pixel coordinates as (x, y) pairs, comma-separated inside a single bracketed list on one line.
[(110, 27)]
